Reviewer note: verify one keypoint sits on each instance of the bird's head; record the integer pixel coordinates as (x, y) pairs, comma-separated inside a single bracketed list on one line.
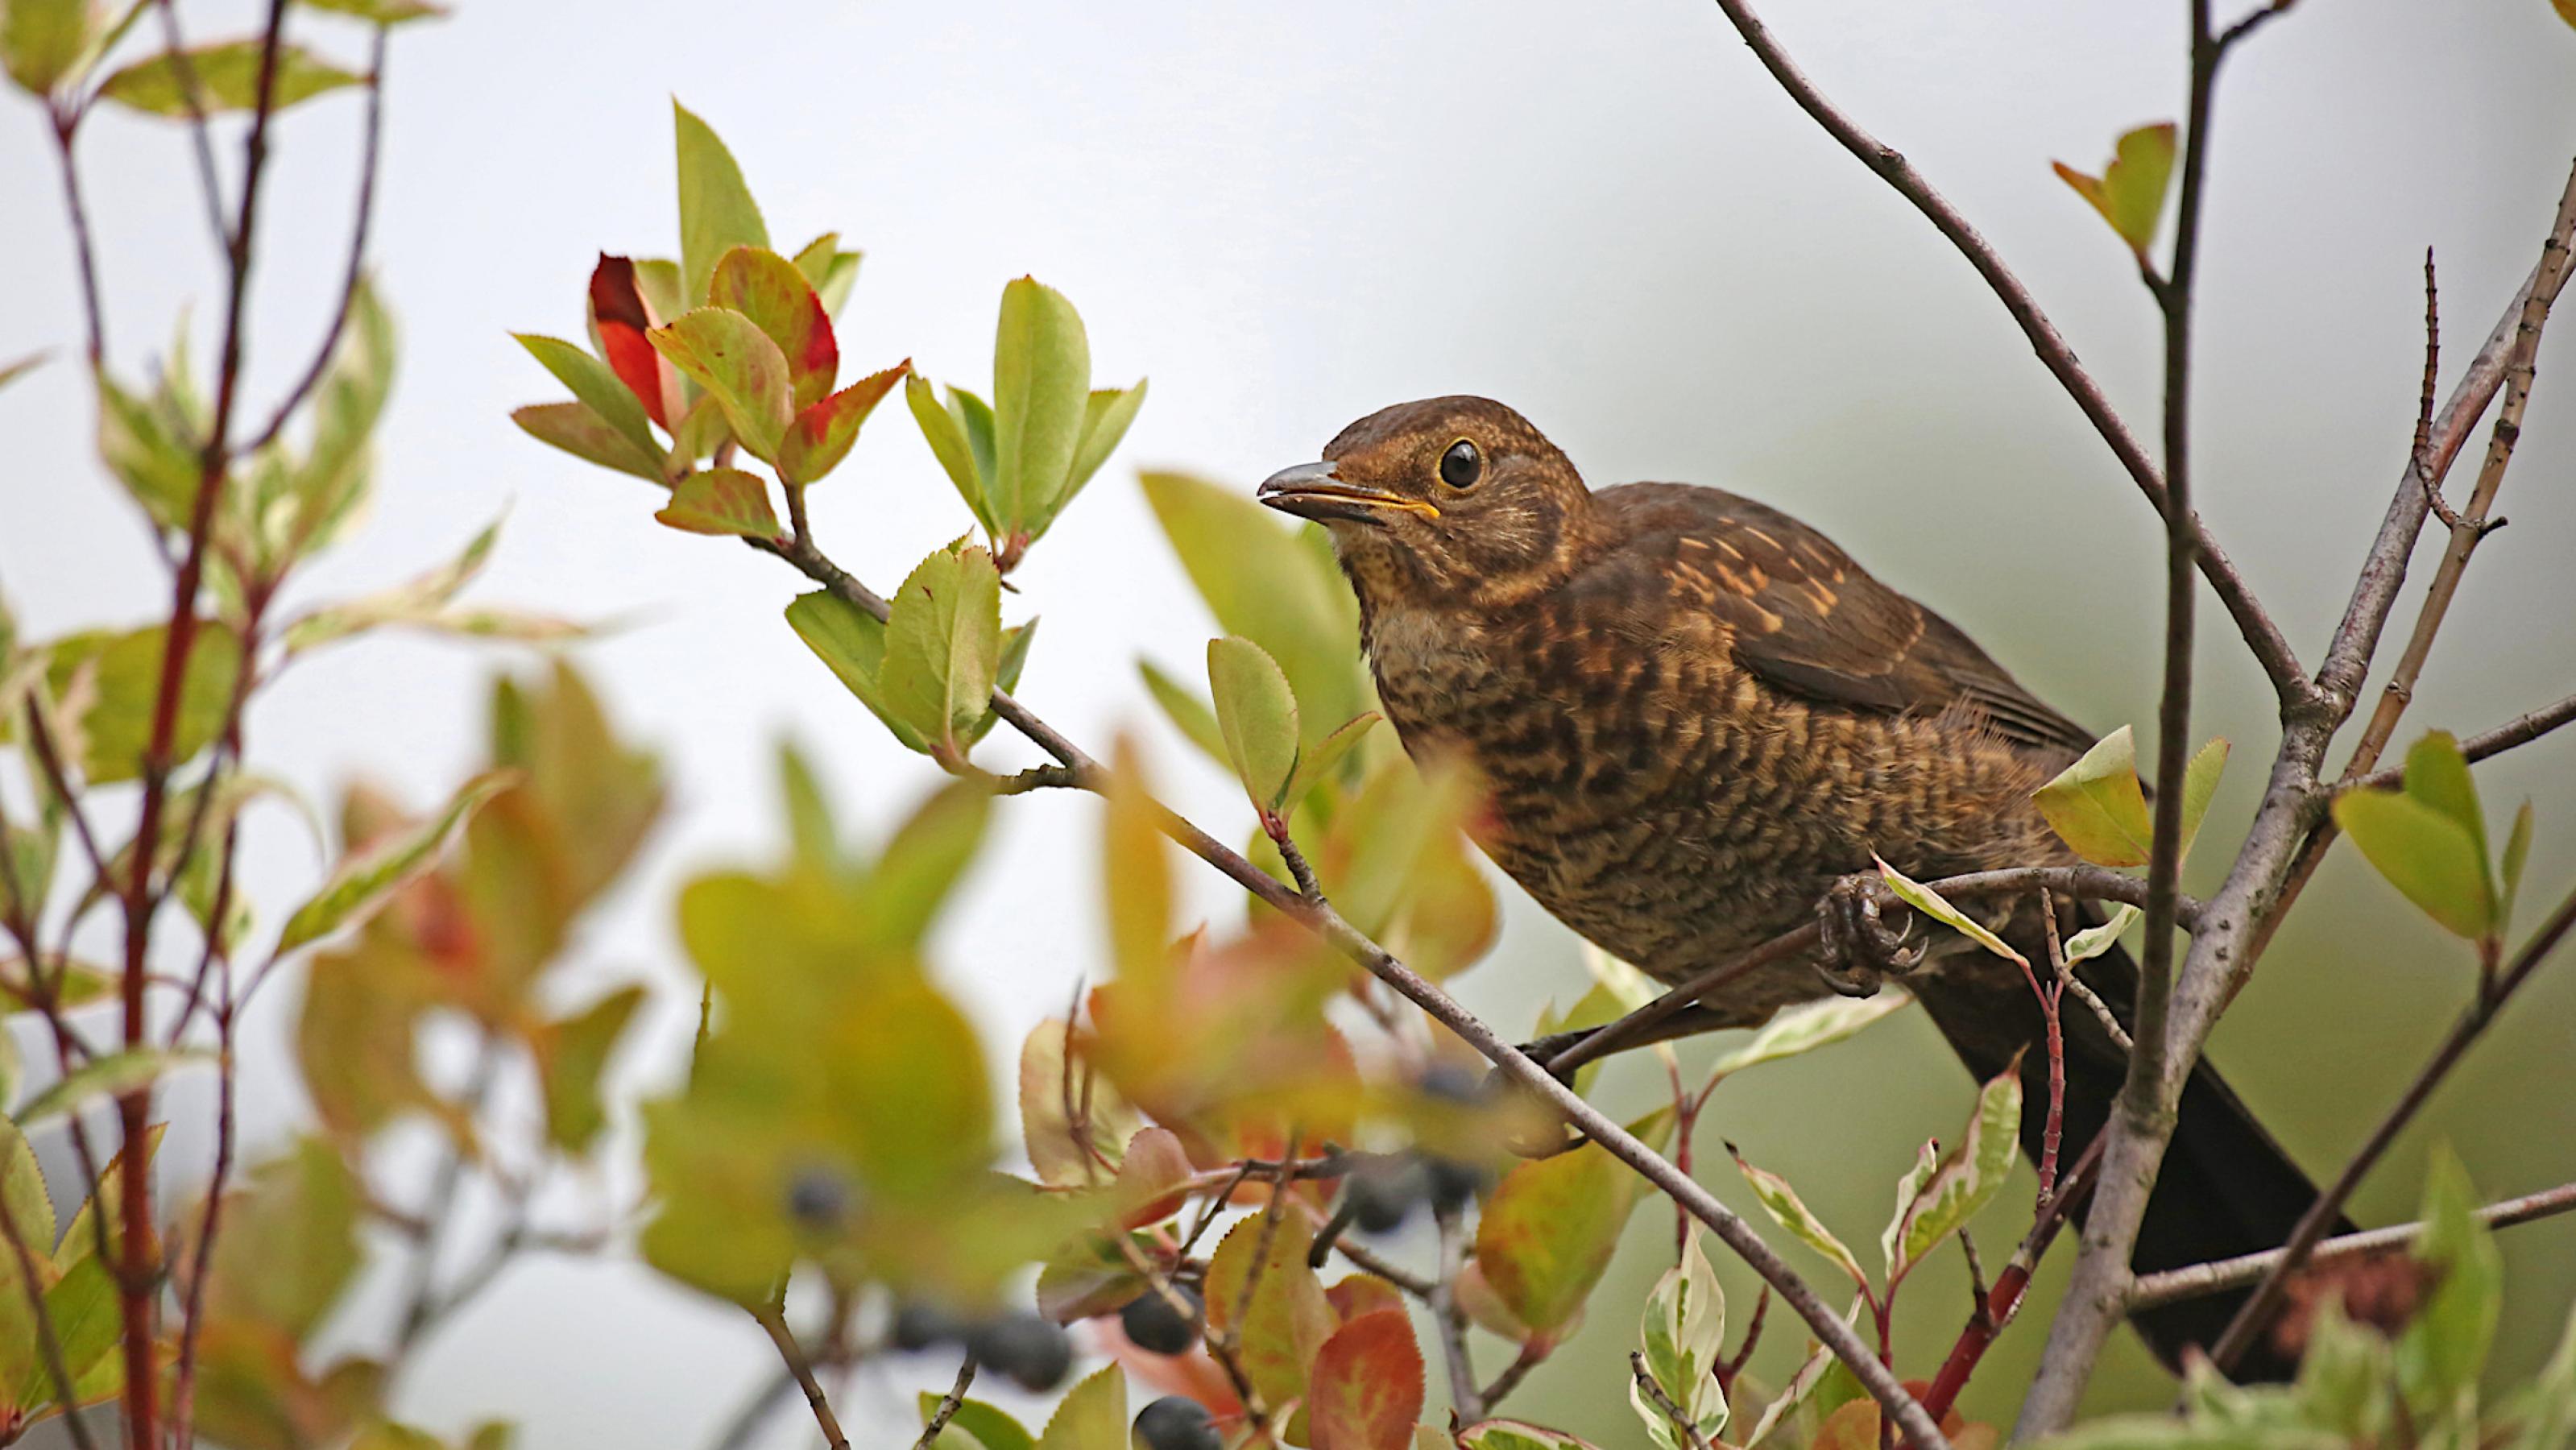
[(1448, 500)]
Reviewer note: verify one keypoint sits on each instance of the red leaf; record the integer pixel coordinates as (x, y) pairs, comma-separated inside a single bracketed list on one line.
[(618, 311), (1362, 1294), (822, 434), (767, 288), (1150, 1177), (1367, 1392)]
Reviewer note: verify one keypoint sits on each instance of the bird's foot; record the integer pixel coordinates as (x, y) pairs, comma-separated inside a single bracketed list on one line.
[(1859, 950)]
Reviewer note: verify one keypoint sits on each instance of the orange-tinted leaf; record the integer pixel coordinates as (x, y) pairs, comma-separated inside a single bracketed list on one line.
[(2130, 192), (620, 314), (1150, 1177), (1547, 1233), (1287, 1318), (767, 288), (822, 434), (721, 501), (1140, 875), (1367, 1388), (1361, 1294)]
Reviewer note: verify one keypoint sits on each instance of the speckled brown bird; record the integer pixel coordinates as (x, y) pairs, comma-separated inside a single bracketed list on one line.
[(1694, 716)]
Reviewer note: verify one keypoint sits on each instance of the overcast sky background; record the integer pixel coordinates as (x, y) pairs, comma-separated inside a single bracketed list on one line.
[(1603, 214)]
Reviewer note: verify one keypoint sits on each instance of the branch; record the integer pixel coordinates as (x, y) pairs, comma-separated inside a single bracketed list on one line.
[(1465, 1401), (2195, 1280), (2257, 1310), (2520, 730), (1681, 1421), (191, 94), (947, 1406), (83, 252), (774, 1320), (2262, 635), (1327, 924)]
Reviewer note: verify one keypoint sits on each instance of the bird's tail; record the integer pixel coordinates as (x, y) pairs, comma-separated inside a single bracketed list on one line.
[(2226, 1187)]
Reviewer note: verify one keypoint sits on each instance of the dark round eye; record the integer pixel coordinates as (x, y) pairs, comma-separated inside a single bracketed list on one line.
[(1462, 465)]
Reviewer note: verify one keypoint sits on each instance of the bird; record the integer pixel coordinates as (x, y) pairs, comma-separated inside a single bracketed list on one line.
[(1697, 721)]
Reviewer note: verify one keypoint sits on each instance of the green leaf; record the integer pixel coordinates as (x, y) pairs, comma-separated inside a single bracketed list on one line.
[(853, 644), (822, 434), (1801, 1029), (2199, 782), (1092, 1416), (1105, 421), (2130, 192), (1317, 762), (2345, 1377), (2444, 1348), (2428, 856), (22, 1192), (363, 883), (2548, 1409), (921, 863), (44, 41), (725, 353), (150, 449), (768, 289), (2093, 941), (721, 501), (382, 12), (1909, 1188), (110, 1075), (290, 1241), (1970, 1175), (120, 674), (574, 1052), (2437, 775), (811, 831), (1041, 400), (579, 430), (1791, 1212), (416, 601), (717, 213), (1195, 717), (943, 646), (2097, 807), (608, 399), (330, 483), (1367, 1385), (87, 1321), (1932, 904), (1517, 1435), (1257, 715), (1548, 1229), (948, 443), (1288, 1318), (1682, 1335), (831, 271), (2517, 852), (976, 1426), (227, 77)]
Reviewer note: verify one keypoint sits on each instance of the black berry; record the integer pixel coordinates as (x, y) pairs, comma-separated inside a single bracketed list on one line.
[(1175, 1423), (1454, 1184), (1382, 1192), (818, 1198), (1451, 1082), (1152, 1322), (1033, 1352), (920, 1326)]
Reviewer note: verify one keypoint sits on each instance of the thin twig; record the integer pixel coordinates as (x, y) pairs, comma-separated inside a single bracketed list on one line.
[(1682, 1425), (84, 254), (2418, 452), (2194, 1280), (191, 95), (1534, 1351), (1450, 1321), (2520, 730), (420, 1293), (947, 1406), (183, 1392), (774, 1320), (2321, 1215), (2053, 1128)]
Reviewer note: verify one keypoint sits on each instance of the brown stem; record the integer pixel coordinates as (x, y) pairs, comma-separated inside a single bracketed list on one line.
[(1534, 1352), (2194, 1280), (947, 1406), (183, 1391), (1680, 1419), (191, 95), (2320, 1217), (2520, 730), (83, 252), (774, 1320), (1465, 1401)]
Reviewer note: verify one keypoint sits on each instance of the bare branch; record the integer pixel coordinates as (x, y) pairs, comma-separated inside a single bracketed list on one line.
[(2195, 1280), (774, 1320), (2520, 730), (1681, 1420), (947, 1407), (1465, 1401)]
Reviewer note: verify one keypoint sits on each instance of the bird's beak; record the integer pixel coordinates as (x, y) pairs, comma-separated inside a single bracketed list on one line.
[(1310, 491)]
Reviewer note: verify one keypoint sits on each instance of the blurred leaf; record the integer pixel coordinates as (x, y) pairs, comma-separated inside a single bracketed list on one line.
[(11, 372), (580, 431), (290, 1241), (1932, 904), (2517, 851), (1195, 717), (123, 684), (2346, 1377), (1969, 1177), (387, 1435), (2548, 1409), (2093, 941), (227, 77), (1105, 421), (621, 317), (850, 641), (150, 449), (822, 434), (571, 1055), (1086, 1277), (2097, 807), (811, 831), (608, 398), (1548, 1229), (921, 864), (701, 432), (1041, 398), (108, 1075), (727, 354), (975, 1426), (1682, 1334), (1139, 872), (1795, 1031), (382, 12), (2199, 782), (1397, 863), (87, 1321), (1092, 1415), (942, 647), (1064, 1154), (77, 984), (1277, 587), (1257, 716), (366, 880), (1517, 1435), (2443, 1350), (917, 1102), (44, 41), (1288, 1319), (829, 270), (767, 288), (717, 213), (416, 601), (946, 435), (1317, 762), (1791, 1212), (2130, 192), (22, 1192), (1366, 1392), (2428, 856), (721, 501), (354, 1037), (330, 483)]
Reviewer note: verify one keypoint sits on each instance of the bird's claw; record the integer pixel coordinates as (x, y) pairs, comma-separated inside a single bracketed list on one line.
[(1859, 950)]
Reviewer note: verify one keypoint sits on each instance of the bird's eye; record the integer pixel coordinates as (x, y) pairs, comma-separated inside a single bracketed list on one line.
[(1462, 465)]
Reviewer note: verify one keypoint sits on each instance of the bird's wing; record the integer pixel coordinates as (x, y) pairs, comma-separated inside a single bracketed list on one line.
[(1808, 620)]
